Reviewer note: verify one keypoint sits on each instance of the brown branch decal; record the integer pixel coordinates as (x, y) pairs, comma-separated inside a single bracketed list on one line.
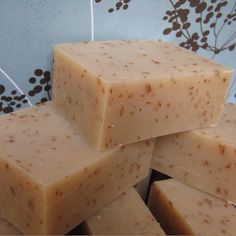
[(209, 18), (9, 102), (121, 4), (12, 100), (41, 81)]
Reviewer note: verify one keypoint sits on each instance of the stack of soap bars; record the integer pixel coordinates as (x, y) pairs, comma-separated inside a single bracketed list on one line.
[(120, 108)]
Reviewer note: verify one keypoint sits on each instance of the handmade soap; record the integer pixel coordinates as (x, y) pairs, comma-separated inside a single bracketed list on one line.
[(51, 179), (126, 215), (6, 228), (184, 210), (120, 92), (204, 158), (142, 186)]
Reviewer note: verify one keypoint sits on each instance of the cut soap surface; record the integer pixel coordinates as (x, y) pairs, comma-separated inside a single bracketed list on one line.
[(204, 158), (51, 179), (6, 228), (182, 209), (126, 215), (142, 186), (119, 92)]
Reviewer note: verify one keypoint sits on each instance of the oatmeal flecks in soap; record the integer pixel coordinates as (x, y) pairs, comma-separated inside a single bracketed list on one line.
[(204, 158), (126, 215), (6, 228), (51, 179), (120, 92), (184, 210)]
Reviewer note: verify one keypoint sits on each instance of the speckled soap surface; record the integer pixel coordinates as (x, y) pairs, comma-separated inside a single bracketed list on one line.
[(6, 228), (126, 215), (51, 180), (183, 210), (203, 158), (119, 92)]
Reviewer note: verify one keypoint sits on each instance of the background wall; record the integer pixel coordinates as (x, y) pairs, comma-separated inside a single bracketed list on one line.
[(30, 28)]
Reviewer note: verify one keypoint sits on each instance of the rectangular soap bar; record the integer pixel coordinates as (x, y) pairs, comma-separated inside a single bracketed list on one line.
[(51, 179), (142, 186), (120, 92), (184, 210), (6, 228), (204, 158), (126, 215)]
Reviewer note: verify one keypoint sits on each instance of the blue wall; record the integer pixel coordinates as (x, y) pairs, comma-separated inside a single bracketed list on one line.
[(30, 28)]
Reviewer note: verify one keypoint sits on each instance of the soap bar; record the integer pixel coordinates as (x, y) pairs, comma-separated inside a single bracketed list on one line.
[(6, 228), (126, 215), (120, 92), (204, 158), (142, 186), (51, 179), (184, 210)]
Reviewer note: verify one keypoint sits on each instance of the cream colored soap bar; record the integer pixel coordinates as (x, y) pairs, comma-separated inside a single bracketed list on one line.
[(126, 215), (51, 180), (204, 158), (184, 210), (120, 92), (7, 229), (142, 186)]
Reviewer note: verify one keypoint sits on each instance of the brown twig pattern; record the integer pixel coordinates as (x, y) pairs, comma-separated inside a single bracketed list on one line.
[(120, 4), (41, 81), (12, 100), (207, 16)]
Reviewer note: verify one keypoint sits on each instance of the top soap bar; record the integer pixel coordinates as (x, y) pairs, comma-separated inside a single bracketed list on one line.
[(119, 92)]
